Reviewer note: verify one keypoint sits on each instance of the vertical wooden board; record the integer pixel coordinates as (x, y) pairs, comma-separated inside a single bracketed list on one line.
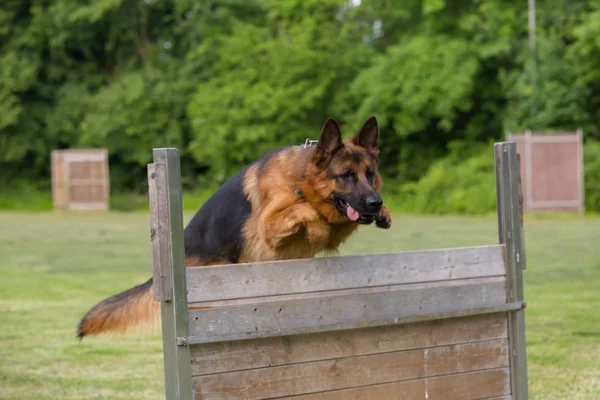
[(522, 143), (59, 188), (106, 178), (510, 234), (313, 377), (493, 384), (60, 195), (218, 357), (178, 385), (160, 233), (580, 171)]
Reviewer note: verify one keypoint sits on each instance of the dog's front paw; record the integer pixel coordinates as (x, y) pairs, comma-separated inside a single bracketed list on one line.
[(317, 231), (384, 219)]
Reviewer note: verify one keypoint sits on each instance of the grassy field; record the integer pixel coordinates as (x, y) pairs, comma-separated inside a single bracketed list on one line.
[(55, 266)]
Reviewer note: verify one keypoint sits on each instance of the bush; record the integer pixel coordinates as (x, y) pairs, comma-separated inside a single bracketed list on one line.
[(23, 195), (462, 182), (591, 159)]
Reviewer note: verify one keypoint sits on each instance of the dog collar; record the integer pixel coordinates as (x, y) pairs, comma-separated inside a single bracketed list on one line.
[(309, 142)]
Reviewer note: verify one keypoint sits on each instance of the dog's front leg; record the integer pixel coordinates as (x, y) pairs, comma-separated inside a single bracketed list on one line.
[(284, 223)]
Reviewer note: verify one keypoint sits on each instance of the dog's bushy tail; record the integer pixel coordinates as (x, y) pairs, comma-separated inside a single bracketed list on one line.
[(121, 312)]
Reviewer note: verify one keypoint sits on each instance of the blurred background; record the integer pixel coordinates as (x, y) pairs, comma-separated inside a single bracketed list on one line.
[(227, 80)]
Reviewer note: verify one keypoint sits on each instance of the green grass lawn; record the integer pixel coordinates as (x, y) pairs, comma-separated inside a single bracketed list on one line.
[(55, 266)]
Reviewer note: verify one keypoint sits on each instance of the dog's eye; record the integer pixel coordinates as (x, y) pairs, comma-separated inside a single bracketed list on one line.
[(370, 174), (348, 174)]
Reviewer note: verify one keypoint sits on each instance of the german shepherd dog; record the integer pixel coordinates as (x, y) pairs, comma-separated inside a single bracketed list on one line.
[(292, 203)]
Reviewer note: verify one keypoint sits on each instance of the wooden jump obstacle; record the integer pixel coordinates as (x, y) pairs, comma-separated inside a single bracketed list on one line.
[(442, 324)]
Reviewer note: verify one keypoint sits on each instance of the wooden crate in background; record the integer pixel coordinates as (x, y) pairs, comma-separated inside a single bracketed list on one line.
[(551, 170), (80, 179)]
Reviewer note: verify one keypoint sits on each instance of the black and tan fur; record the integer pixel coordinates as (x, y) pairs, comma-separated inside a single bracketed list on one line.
[(290, 204)]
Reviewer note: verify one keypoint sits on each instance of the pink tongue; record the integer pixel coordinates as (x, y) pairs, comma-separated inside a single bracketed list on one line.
[(352, 213)]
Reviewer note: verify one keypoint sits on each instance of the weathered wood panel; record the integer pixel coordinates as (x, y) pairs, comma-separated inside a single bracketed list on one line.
[(176, 359), (160, 233), (218, 357), (319, 376), (510, 233), (334, 273), (274, 318), (59, 184), (493, 384)]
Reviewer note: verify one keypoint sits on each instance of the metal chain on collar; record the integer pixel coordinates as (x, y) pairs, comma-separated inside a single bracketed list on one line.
[(309, 143)]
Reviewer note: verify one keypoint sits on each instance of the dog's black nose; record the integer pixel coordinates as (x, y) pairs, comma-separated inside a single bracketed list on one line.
[(374, 202)]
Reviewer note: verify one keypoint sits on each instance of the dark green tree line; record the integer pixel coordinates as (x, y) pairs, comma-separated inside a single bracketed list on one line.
[(227, 80)]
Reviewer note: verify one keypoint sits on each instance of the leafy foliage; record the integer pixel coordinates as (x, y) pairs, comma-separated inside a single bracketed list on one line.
[(270, 85), (227, 80), (591, 156), (460, 183)]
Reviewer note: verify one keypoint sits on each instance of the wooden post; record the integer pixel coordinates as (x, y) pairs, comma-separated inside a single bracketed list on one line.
[(511, 235), (169, 279), (160, 232), (580, 173)]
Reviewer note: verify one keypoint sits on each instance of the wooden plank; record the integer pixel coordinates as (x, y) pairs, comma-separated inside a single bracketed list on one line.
[(528, 171), (334, 273), (479, 385), (510, 234), (580, 171), (275, 318), (160, 233), (522, 256), (90, 181), (555, 203), (568, 137), (85, 155), (178, 384), (59, 186), (319, 376), (88, 206), (266, 352), (357, 325)]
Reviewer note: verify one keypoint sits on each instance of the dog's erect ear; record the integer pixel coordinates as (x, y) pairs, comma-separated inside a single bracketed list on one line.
[(368, 136), (329, 141)]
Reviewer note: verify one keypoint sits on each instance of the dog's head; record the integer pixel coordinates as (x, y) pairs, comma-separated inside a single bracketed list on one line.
[(348, 177)]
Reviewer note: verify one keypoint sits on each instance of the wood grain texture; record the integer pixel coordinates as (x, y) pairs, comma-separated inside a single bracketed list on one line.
[(351, 372), (160, 233), (273, 318), (176, 359), (510, 234), (493, 384), (218, 357), (334, 273)]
